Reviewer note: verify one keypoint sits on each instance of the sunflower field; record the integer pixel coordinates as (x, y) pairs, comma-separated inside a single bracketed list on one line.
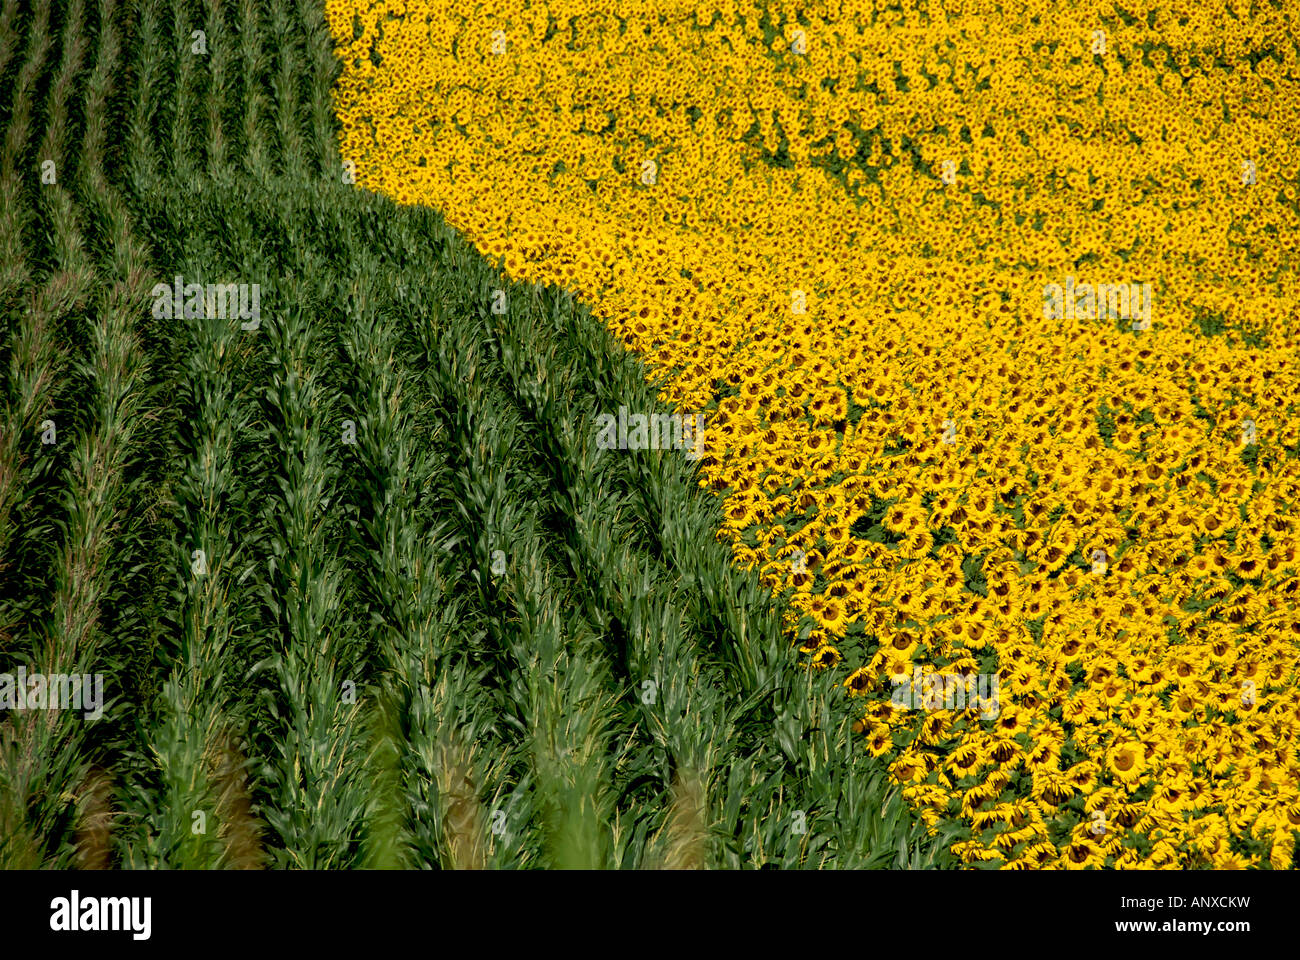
[(338, 339)]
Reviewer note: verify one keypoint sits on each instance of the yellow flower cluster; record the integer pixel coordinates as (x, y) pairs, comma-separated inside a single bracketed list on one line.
[(870, 240)]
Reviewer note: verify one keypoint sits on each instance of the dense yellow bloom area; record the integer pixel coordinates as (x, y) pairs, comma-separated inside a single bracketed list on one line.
[(830, 226)]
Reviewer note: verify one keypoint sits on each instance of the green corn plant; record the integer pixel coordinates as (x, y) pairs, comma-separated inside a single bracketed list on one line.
[(317, 757), (561, 697), (441, 696), (619, 581), (454, 786), (625, 596), (183, 145), (9, 34), (44, 750), (572, 712), (95, 193), (15, 215), (40, 753), (147, 96), (487, 518), (628, 593), (220, 90), (54, 142), (254, 144), (285, 84), (408, 596), (188, 737), (385, 845), (322, 68), (18, 129), (35, 365)]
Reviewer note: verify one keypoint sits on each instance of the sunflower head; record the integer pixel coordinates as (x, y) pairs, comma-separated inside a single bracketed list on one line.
[(1082, 854), (1127, 761), (858, 682), (825, 657)]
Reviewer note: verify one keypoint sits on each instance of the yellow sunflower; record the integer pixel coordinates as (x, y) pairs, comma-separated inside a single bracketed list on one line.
[(826, 657), (1126, 760), (858, 682), (1082, 855)]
